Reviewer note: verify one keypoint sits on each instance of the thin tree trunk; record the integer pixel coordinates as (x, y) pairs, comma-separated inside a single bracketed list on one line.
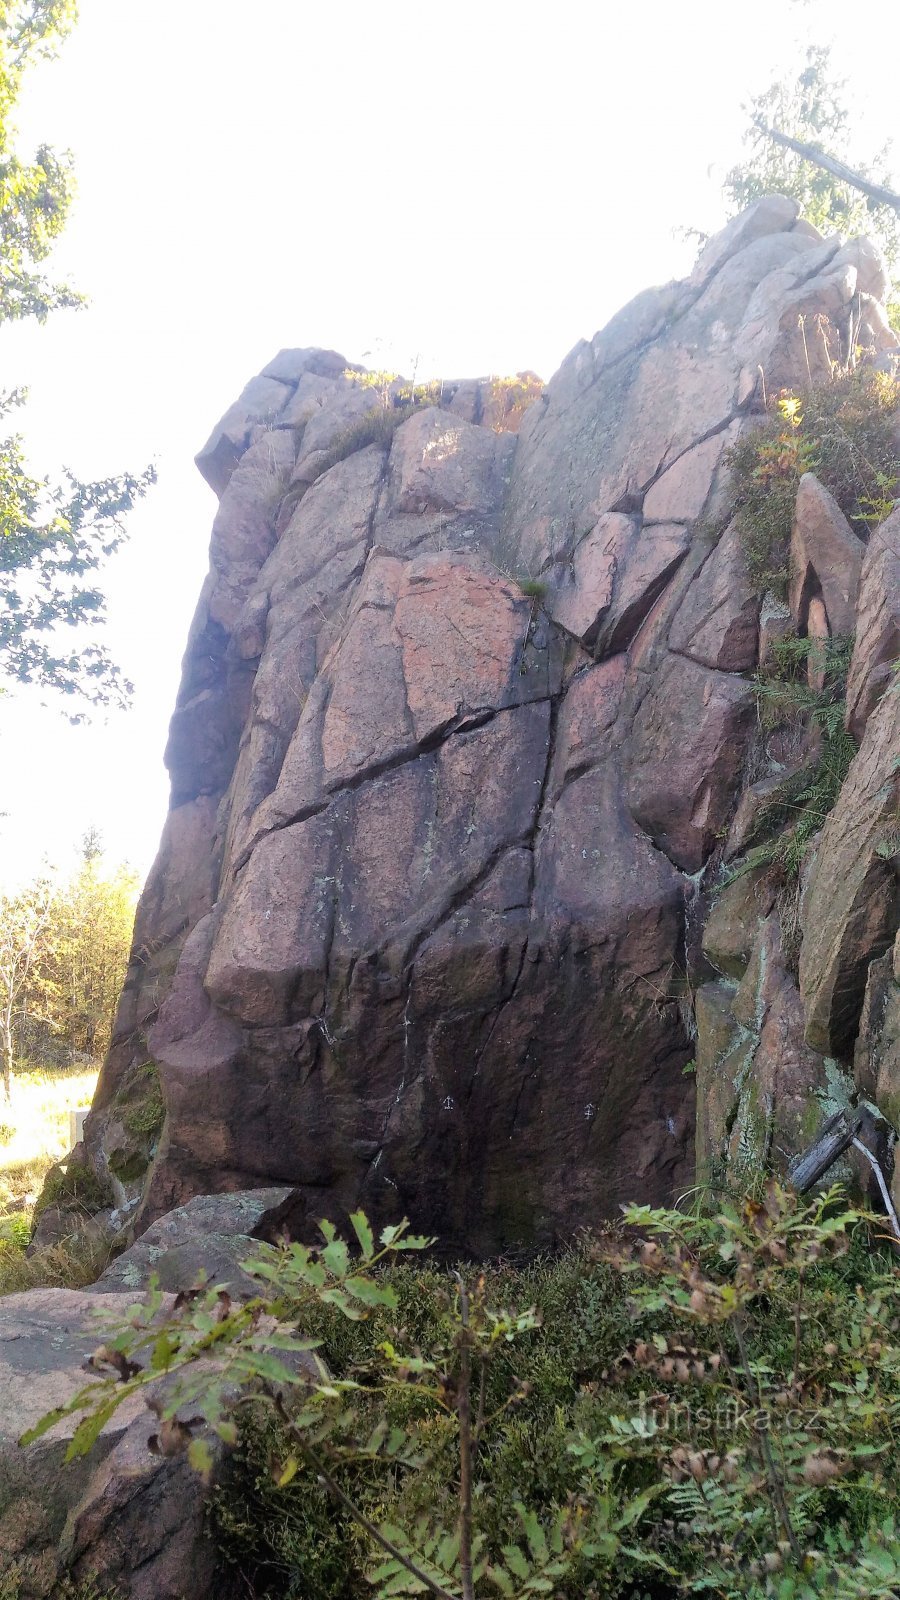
[(7, 1056), (820, 158)]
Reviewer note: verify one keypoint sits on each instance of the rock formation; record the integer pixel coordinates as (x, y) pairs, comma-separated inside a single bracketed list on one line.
[(126, 1518), (463, 737), (460, 910)]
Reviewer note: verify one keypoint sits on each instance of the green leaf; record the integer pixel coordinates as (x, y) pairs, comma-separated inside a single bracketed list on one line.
[(361, 1227), (503, 1581), (336, 1257), (90, 1426), (48, 1421), (516, 1561), (534, 1533), (337, 1297), (370, 1292)]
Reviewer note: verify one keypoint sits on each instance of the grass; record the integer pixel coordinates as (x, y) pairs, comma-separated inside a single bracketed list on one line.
[(377, 427), (34, 1135), (34, 1128)]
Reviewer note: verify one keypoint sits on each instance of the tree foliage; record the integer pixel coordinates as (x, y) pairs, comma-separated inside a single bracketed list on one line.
[(63, 951), (34, 196), (812, 108), (54, 535)]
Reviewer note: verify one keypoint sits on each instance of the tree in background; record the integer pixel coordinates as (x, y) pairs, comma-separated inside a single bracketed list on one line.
[(25, 940), (799, 132), (63, 953), (54, 536), (92, 918)]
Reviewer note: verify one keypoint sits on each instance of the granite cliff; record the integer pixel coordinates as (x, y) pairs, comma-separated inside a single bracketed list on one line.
[(466, 739)]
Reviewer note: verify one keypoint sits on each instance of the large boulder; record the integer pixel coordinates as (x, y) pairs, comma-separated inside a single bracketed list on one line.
[(206, 1240)]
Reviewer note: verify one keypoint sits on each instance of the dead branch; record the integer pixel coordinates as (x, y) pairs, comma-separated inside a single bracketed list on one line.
[(820, 158)]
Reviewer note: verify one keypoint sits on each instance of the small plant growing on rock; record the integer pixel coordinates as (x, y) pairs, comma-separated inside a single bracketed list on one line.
[(784, 698), (533, 589), (377, 427)]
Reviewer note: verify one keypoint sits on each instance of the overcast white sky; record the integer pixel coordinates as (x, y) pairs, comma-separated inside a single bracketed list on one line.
[(479, 184)]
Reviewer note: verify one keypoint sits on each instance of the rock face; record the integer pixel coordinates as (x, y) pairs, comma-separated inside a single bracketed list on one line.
[(850, 910), (877, 645), (465, 714), (132, 1520)]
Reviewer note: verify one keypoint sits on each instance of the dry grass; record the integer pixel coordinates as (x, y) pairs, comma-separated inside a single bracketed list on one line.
[(34, 1134), (34, 1128)]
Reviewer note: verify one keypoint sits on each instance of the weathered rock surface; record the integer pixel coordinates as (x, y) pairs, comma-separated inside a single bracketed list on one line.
[(877, 646), (850, 910), (717, 623), (732, 923), (122, 1515), (877, 1056), (762, 1092), (211, 1235), (417, 937)]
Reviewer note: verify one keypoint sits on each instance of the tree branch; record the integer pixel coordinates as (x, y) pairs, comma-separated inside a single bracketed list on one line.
[(819, 158)]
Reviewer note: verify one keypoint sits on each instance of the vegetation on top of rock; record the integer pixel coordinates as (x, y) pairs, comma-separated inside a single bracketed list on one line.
[(715, 1404), (508, 398), (76, 1186), (396, 391), (845, 432)]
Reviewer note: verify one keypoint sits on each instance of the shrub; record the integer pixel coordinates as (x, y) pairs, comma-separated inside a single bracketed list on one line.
[(714, 1406), (844, 432), (509, 398)]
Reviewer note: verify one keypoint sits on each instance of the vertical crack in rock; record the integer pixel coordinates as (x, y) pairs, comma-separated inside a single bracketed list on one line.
[(415, 933)]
